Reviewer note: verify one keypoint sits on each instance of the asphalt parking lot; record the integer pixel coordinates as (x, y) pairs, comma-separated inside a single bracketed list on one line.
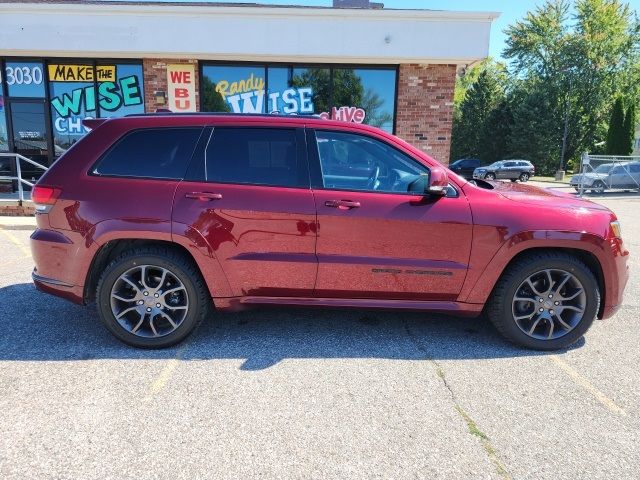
[(313, 394)]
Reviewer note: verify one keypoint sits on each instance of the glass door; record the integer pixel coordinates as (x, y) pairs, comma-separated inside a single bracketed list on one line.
[(30, 135)]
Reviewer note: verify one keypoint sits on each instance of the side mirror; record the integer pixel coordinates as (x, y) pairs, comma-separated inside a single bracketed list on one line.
[(438, 182)]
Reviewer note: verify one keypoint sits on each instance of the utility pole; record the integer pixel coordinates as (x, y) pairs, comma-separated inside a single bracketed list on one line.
[(560, 172)]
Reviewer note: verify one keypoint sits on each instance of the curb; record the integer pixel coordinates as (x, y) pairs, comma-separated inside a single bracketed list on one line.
[(17, 227)]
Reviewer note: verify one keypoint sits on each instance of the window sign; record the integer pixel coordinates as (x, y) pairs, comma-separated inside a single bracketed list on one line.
[(181, 84), (120, 89), (355, 95), (25, 79), (298, 90), (74, 97), (237, 89)]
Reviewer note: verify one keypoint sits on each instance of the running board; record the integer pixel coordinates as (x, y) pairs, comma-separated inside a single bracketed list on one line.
[(456, 308)]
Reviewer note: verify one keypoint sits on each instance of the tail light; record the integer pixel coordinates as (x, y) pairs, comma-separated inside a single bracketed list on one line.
[(44, 197)]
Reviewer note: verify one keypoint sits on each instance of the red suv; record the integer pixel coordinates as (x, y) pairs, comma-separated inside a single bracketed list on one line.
[(161, 218)]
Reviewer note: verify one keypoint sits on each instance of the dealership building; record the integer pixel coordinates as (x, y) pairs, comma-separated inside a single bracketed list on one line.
[(354, 60)]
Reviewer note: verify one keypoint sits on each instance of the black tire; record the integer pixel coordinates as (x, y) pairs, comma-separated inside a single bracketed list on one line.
[(598, 187), (499, 307), (514, 180), (524, 177), (490, 176), (179, 265)]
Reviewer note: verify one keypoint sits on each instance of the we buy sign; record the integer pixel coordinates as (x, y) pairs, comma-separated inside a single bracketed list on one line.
[(181, 88)]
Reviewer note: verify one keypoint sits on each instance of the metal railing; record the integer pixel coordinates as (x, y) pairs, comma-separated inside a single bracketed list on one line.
[(599, 173), (17, 158)]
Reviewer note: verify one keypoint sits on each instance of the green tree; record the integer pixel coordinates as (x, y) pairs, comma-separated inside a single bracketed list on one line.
[(577, 60), (212, 101), (629, 129), (469, 134), (616, 131)]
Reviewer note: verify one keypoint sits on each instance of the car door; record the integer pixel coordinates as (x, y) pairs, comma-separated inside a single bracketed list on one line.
[(375, 240), (634, 168), (620, 177), (509, 170), (249, 198)]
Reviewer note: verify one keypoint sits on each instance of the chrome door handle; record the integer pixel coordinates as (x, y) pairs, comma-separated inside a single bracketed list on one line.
[(342, 204), (205, 196)]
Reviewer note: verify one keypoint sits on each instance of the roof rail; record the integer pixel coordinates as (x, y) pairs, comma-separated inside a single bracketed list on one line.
[(219, 114)]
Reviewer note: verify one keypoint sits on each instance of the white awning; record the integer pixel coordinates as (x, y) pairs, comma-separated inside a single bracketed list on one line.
[(243, 33)]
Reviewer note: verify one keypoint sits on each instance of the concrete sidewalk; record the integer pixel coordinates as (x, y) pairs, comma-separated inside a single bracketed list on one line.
[(17, 223)]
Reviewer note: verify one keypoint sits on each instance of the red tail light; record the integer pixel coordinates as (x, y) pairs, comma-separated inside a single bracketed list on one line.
[(44, 197)]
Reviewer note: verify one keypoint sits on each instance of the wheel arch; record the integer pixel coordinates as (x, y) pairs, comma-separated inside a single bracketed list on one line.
[(587, 257), (584, 246), (114, 247)]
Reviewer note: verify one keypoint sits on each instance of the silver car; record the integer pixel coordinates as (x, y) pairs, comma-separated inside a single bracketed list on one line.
[(608, 176), (512, 170)]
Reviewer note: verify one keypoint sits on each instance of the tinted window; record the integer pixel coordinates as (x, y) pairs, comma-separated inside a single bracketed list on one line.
[(257, 156), (635, 168), (509, 164), (151, 153), (356, 162)]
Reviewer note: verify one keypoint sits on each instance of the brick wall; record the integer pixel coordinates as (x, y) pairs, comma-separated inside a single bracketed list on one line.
[(425, 107), (155, 79), (26, 210)]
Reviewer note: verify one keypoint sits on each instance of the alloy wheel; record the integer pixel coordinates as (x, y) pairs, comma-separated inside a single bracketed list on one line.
[(490, 176), (524, 177), (549, 304), (149, 301)]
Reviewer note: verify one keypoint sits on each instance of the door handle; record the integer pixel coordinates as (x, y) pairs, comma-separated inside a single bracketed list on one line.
[(204, 196), (342, 204)]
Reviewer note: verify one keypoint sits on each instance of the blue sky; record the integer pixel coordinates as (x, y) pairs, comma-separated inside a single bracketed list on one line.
[(511, 10)]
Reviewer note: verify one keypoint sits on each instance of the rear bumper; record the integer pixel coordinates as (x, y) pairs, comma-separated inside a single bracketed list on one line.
[(58, 288)]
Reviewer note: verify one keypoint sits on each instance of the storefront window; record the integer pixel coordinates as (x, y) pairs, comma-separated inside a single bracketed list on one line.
[(238, 89), (299, 90), (72, 87), (25, 79), (355, 95), (365, 96)]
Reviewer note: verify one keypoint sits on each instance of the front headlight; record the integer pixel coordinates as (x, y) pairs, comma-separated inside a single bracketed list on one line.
[(616, 229)]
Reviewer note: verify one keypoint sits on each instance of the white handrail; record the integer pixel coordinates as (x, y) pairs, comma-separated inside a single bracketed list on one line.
[(17, 158)]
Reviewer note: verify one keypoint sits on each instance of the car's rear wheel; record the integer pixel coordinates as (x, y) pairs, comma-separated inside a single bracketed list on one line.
[(152, 297), (524, 177), (490, 176), (545, 301), (598, 187)]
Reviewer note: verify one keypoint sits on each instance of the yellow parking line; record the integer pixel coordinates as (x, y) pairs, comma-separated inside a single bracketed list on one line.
[(13, 239), (165, 375), (587, 385)]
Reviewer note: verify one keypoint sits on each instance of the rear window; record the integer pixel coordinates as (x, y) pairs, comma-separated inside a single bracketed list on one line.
[(255, 156), (151, 153)]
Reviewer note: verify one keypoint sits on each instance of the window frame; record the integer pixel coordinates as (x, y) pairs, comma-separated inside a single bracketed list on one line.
[(91, 172), (198, 172), (315, 167)]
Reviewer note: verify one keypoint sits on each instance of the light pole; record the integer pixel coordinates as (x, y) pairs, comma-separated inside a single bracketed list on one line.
[(560, 172)]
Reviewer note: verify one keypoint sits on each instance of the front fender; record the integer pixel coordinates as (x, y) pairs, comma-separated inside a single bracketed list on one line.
[(482, 278)]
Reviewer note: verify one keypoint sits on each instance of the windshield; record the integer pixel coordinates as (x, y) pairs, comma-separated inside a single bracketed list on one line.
[(495, 164), (605, 168)]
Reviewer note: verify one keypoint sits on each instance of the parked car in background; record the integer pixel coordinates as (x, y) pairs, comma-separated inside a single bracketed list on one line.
[(161, 218), (609, 176), (465, 167), (512, 170)]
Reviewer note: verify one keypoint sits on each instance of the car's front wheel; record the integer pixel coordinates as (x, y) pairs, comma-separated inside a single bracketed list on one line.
[(545, 301), (490, 176), (598, 187), (152, 297)]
